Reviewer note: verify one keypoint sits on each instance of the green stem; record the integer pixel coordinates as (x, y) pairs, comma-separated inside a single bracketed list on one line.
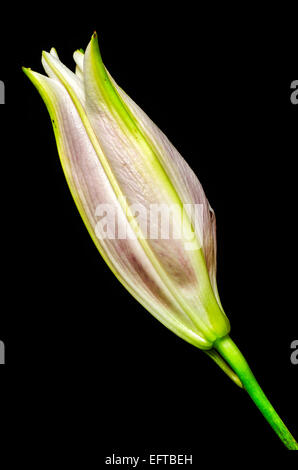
[(229, 351)]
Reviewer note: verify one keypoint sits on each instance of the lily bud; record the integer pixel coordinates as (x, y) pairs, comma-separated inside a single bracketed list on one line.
[(127, 180), (120, 167)]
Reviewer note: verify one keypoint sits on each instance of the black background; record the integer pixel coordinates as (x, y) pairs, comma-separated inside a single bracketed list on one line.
[(88, 371)]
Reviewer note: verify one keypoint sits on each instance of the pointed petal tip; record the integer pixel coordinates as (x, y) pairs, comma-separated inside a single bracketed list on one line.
[(47, 57), (93, 47), (53, 52), (27, 71), (34, 77), (78, 52), (94, 40)]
